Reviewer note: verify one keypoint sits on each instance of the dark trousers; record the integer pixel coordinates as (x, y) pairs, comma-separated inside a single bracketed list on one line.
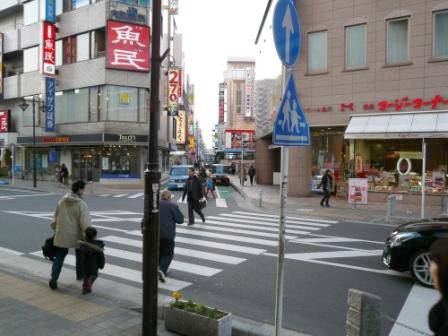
[(252, 179), (166, 254), (326, 197), (58, 262), (194, 206)]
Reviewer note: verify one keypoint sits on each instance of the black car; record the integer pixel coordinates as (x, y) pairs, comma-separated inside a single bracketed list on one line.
[(407, 248)]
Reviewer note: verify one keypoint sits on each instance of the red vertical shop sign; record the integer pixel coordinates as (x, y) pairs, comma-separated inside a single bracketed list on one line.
[(127, 46), (49, 49), (4, 121)]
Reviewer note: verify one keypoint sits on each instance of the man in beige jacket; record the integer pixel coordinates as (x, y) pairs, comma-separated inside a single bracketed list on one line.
[(71, 219)]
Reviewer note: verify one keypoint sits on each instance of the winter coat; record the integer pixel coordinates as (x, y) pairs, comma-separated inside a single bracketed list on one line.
[(71, 219), (252, 171), (193, 190), (326, 183), (91, 256), (170, 215), (438, 318)]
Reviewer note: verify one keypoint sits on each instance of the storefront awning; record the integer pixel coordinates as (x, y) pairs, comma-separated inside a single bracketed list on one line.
[(405, 125)]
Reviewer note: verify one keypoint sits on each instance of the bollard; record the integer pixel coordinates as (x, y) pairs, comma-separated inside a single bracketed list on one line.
[(363, 315), (391, 206), (260, 199)]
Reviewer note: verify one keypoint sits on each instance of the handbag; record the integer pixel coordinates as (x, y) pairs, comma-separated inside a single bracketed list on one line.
[(48, 249), (202, 203)]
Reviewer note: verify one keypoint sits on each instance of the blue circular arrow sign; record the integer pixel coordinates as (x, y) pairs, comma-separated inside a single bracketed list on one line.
[(287, 32)]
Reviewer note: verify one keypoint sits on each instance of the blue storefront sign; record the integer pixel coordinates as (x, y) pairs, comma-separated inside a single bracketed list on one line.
[(50, 11), (50, 90), (53, 156)]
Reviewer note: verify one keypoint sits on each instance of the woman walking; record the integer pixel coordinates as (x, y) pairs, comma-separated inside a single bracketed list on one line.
[(438, 316), (326, 185)]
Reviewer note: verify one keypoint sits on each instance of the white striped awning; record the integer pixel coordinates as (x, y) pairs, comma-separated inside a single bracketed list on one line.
[(402, 125)]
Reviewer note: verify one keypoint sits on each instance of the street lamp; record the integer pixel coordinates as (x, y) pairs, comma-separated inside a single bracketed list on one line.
[(24, 105)]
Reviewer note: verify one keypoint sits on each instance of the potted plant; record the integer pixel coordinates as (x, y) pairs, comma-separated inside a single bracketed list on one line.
[(192, 319)]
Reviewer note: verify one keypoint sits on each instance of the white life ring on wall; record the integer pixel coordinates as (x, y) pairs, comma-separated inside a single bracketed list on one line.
[(399, 164)]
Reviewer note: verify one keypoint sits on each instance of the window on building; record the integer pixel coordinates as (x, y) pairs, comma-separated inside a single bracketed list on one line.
[(397, 41), (99, 43), (82, 47), (30, 12), (69, 53), (72, 106), (355, 46), (59, 7), (317, 52), (79, 3), (440, 35), (121, 103), (58, 52), (31, 59), (143, 106)]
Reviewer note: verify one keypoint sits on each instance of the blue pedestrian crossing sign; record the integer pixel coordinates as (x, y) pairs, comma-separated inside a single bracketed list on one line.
[(286, 32), (291, 127)]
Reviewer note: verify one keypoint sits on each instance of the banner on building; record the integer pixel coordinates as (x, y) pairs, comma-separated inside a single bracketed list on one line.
[(1, 65), (49, 10), (4, 121), (174, 7), (50, 91), (128, 46), (174, 89), (222, 88), (357, 191), (49, 49), (248, 93), (181, 128)]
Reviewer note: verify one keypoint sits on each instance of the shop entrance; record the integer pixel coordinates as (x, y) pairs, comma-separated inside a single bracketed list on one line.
[(86, 164)]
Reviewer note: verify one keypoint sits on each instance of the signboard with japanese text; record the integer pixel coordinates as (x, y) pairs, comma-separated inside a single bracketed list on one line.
[(1, 65), (181, 128), (248, 93), (128, 46), (174, 7), (49, 49), (357, 191), (49, 10), (128, 11), (222, 88), (174, 87), (4, 121), (50, 91)]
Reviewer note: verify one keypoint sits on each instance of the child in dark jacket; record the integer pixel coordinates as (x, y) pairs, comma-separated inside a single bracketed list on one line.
[(92, 258)]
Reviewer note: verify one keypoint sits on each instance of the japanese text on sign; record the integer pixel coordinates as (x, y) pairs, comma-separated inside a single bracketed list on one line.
[(49, 49), (4, 121), (181, 128), (248, 95), (128, 46), (50, 90)]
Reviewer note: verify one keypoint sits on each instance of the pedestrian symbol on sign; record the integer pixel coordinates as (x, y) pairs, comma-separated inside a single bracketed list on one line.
[(291, 127)]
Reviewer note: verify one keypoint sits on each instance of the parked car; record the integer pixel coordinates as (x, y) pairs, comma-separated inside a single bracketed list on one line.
[(221, 174), (407, 248), (178, 176)]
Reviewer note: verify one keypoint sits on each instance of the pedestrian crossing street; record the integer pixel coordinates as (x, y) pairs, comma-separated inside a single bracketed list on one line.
[(218, 202), (202, 251)]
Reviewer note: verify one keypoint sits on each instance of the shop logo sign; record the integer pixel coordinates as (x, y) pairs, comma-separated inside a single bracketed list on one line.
[(50, 90), (4, 121), (128, 138), (49, 49)]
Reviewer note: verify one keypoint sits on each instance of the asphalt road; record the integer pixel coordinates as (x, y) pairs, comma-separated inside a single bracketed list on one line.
[(230, 262)]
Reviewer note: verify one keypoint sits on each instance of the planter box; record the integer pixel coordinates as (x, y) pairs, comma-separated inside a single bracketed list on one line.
[(191, 324)]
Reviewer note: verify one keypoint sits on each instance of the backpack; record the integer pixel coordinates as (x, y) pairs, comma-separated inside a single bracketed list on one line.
[(48, 249)]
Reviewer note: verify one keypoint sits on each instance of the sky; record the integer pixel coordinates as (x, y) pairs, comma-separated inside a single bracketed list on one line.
[(214, 30)]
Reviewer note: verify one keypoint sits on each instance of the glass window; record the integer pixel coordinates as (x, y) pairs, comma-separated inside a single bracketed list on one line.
[(82, 47), (30, 12), (79, 3), (59, 7), (72, 106), (317, 52), (58, 52), (120, 162), (143, 97), (397, 41), (122, 103), (355, 46), (31, 59), (440, 45)]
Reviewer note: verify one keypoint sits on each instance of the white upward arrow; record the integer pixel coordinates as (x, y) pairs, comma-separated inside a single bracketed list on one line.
[(288, 25)]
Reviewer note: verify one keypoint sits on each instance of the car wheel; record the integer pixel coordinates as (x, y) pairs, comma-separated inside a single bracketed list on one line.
[(420, 268)]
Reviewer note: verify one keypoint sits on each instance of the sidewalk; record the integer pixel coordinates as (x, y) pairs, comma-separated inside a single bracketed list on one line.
[(340, 208), (92, 188)]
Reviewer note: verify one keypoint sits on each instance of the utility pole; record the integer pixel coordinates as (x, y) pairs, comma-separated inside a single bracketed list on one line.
[(34, 145), (151, 218)]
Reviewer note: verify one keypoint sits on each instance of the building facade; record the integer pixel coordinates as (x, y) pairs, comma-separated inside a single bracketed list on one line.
[(363, 58), (100, 100)]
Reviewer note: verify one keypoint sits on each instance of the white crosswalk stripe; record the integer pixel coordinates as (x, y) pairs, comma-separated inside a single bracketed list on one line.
[(221, 203), (120, 195), (202, 250), (140, 194), (180, 200), (307, 219)]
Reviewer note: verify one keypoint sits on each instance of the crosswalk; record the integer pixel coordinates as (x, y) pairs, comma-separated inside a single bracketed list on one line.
[(219, 202), (202, 251)]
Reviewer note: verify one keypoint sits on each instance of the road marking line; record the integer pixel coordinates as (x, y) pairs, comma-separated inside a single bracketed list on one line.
[(136, 195), (333, 254), (127, 274), (221, 203), (9, 251), (189, 241), (276, 221), (358, 240), (110, 228), (105, 195), (237, 220), (176, 265), (221, 258), (180, 200), (319, 220), (248, 232), (324, 240), (120, 195)]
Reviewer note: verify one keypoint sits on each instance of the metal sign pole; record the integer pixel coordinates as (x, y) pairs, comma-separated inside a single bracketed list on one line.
[(281, 242), (423, 178)]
